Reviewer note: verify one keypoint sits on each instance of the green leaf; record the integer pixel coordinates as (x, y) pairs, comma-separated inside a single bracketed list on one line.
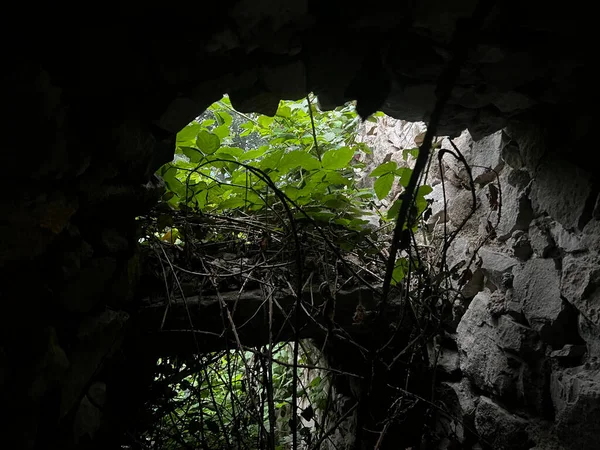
[(265, 121), (329, 136), (405, 177), (222, 131), (383, 185), (392, 213), (336, 178), (400, 270), (414, 152), (284, 111), (296, 158), (337, 158), (385, 168), (424, 190), (224, 118), (192, 153), (188, 134), (232, 152), (232, 203), (272, 160), (254, 153), (208, 142)]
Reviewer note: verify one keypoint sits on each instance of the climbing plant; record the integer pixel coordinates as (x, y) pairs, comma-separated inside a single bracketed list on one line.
[(241, 181)]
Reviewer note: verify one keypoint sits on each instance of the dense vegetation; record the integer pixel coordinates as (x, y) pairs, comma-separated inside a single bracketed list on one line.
[(281, 190)]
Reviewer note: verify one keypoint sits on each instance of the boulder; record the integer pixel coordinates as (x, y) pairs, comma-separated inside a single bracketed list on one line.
[(561, 191), (499, 356), (576, 397), (537, 291), (499, 428)]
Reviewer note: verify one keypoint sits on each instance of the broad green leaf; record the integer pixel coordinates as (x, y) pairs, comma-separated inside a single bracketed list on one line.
[(265, 121), (222, 131), (292, 192), (232, 203), (232, 152), (414, 152), (400, 270), (207, 123), (296, 158), (284, 111), (254, 153), (192, 153), (424, 190), (272, 160), (405, 177), (337, 158), (336, 178), (188, 134), (224, 118), (385, 168), (208, 142), (383, 185), (392, 213)]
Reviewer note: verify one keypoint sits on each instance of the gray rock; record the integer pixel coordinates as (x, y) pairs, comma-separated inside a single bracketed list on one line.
[(576, 397), (569, 352), (561, 190), (590, 333), (541, 240), (511, 155), (590, 238), (519, 242), (537, 289), (496, 264), (492, 353), (515, 209), (500, 428), (460, 207), (580, 284)]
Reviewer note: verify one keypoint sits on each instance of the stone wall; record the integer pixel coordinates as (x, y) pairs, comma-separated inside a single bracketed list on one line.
[(521, 369)]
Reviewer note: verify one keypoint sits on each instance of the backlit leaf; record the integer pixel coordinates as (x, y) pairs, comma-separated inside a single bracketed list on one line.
[(208, 142), (383, 185), (385, 168), (337, 158)]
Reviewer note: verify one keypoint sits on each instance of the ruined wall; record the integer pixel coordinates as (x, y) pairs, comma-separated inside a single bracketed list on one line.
[(520, 369)]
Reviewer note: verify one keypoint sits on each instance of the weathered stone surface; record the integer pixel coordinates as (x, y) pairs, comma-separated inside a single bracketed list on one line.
[(460, 207), (561, 191), (589, 332), (537, 289), (445, 360), (500, 428), (569, 353), (576, 398), (521, 246), (515, 211), (590, 238), (496, 264), (580, 284), (542, 241), (492, 352)]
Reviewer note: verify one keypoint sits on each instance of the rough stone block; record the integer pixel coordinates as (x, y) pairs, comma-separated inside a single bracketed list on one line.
[(500, 428)]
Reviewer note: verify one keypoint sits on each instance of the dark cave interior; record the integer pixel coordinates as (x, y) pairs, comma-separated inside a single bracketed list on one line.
[(92, 106)]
